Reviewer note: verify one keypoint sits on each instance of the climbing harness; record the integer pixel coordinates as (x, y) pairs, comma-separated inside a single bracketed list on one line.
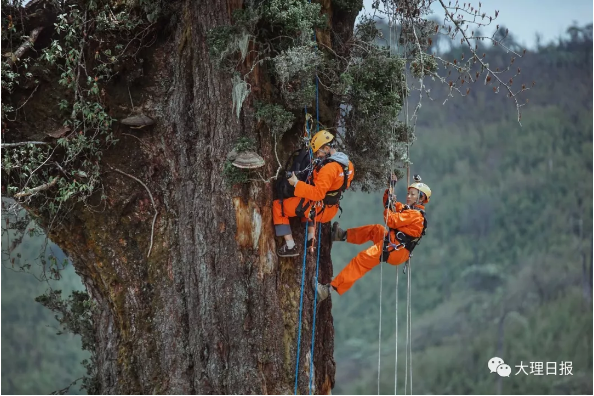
[(406, 241), (333, 197)]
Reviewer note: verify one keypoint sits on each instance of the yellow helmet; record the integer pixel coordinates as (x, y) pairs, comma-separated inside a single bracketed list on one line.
[(422, 187), (321, 138)]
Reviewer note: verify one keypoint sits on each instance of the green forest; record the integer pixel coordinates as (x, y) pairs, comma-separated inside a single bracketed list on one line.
[(505, 268), (36, 359)]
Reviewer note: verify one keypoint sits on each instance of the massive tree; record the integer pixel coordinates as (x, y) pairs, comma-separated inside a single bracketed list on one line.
[(121, 121)]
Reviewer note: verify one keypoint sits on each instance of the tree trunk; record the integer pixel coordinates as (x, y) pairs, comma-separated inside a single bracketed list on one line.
[(212, 309)]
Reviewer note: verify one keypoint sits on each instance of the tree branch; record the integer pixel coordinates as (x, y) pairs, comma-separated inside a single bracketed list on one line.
[(37, 189), (4, 145), (483, 64), (18, 54), (78, 66)]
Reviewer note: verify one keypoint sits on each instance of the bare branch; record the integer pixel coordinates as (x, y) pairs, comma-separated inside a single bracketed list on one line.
[(37, 189), (152, 200), (483, 64), (4, 145), (18, 54), (78, 62), (24, 103)]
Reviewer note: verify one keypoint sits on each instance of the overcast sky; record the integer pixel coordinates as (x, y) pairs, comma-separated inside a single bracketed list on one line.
[(524, 18)]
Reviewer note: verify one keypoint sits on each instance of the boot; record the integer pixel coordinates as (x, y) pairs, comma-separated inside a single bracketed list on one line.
[(338, 234), (323, 291), (284, 251)]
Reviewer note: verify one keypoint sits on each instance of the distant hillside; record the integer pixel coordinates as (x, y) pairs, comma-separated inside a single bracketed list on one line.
[(35, 360), (506, 266)]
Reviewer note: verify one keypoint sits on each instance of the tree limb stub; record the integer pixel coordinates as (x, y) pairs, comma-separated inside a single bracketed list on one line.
[(18, 54), (37, 189), (4, 145)]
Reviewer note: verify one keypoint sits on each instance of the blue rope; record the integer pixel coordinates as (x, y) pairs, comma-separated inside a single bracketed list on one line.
[(313, 330), (307, 128), (305, 248), (301, 308)]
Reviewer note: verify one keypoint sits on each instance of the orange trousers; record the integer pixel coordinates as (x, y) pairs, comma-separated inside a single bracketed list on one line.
[(290, 205), (368, 258)]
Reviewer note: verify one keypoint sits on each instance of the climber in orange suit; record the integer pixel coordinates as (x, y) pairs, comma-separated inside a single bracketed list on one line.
[(333, 173), (407, 225)]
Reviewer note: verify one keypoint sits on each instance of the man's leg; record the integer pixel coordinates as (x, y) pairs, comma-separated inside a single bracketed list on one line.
[(280, 217), (357, 267)]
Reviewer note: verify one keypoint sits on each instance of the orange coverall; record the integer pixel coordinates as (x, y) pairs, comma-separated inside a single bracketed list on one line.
[(330, 177), (408, 221)]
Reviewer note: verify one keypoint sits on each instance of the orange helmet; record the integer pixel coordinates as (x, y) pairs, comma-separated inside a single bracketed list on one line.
[(321, 138)]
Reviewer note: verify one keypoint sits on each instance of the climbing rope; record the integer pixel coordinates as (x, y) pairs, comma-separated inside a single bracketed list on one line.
[(307, 128), (379, 351), (305, 251), (300, 310), (313, 330), (407, 267), (408, 352), (396, 342), (390, 197)]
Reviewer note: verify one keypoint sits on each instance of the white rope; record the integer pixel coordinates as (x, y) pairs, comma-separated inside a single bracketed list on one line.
[(379, 351), (396, 338), (409, 315)]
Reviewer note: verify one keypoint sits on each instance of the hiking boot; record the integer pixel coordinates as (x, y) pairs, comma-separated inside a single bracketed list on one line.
[(323, 291), (338, 234), (284, 251)]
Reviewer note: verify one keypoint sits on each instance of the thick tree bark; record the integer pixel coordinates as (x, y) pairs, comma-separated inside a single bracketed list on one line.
[(212, 309)]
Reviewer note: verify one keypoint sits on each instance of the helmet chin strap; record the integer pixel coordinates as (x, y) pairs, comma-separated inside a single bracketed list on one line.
[(326, 155)]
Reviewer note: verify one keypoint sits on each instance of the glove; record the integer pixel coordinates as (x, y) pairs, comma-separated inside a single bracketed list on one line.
[(389, 200)]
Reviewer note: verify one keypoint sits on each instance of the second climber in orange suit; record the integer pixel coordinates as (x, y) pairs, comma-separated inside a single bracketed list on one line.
[(331, 176), (407, 225)]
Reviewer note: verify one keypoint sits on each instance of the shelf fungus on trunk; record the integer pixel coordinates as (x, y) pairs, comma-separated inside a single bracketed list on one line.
[(246, 159), (138, 121)]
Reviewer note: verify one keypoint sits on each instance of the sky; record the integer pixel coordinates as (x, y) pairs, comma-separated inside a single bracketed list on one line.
[(524, 18)]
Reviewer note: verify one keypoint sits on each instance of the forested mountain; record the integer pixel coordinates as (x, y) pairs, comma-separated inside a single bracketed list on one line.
[(37, 356), (506, 266)]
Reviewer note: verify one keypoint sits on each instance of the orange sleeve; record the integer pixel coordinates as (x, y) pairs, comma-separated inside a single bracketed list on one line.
[(399, 219), (322, 182), (397, 205)]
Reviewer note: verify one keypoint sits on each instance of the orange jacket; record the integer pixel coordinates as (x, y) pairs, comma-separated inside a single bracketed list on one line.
[(329, 178), (409, 221)]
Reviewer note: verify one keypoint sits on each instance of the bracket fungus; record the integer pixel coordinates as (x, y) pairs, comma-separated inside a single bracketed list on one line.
[(138, 121), (246, 160)]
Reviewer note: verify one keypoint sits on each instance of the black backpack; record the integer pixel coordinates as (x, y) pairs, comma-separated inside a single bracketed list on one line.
[(300, 162), (300, 165)]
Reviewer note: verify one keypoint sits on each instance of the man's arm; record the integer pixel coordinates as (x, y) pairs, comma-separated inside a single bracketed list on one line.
[(323, 182)]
